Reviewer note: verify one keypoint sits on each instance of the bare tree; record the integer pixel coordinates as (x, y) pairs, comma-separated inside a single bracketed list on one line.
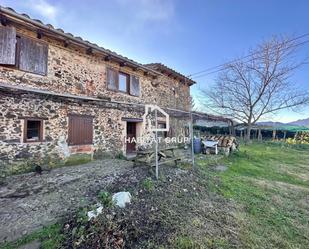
[(248, 90)]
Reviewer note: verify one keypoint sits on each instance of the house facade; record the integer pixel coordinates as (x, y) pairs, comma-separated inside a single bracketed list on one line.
[(61, 95)]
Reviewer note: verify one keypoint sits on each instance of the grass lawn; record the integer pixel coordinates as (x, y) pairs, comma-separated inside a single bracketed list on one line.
[(271, 184)]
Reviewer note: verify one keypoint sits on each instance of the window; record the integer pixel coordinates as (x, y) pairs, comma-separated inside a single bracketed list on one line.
[(80, 130), (33, 130), (24, 53), (122, 82), (162, 125)]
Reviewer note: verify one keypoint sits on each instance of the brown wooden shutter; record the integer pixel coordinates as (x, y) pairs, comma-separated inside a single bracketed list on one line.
[(134, 86), (7, 45), (33, 56), (112, 79), (80, 130), (88, 131)]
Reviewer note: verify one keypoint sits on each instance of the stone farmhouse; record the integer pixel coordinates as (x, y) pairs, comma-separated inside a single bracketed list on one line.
[(62, 96)]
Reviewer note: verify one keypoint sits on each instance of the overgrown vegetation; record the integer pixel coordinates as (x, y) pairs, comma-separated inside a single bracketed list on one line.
[(105, 198)]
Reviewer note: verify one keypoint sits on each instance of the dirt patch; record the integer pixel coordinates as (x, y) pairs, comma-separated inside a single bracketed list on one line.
[(179, 205), (29, 201)]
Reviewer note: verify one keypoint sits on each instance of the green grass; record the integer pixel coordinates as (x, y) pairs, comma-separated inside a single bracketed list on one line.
[(77, 159), (185, 242), (271, 184), (148, 184), (50, 237)]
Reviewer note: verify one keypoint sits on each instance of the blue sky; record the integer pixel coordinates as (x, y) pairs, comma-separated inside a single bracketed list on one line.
[(188, 36)]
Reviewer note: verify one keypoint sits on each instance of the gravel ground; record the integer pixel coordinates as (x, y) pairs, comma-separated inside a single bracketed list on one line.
[(29, 201)]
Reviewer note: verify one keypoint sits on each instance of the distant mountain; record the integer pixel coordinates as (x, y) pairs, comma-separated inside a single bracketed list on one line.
[(270, 123), (300, 122)]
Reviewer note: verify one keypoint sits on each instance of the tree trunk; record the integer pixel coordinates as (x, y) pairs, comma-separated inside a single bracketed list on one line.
[(260, 135), (248, 133), (274, 135)]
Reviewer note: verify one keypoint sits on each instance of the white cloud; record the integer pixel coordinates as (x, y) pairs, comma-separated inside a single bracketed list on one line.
[(45, 9)]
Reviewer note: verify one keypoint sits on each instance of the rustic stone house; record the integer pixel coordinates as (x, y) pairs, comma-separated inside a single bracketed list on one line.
[(61, 95)]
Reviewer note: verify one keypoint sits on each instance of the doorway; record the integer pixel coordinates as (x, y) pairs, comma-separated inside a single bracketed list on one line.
[(131, 133)]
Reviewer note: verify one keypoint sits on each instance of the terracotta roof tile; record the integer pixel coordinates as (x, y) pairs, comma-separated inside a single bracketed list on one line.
[(163, 68), (153, 67)]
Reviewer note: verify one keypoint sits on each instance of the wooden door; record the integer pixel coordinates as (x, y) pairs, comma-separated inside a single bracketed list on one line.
[(131, 133)]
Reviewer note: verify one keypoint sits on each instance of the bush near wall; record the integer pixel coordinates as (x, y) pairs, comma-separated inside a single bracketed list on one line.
[(300, 138)]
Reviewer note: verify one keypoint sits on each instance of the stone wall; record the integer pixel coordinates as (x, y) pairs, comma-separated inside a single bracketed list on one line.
[(71, 70), (108, 126)]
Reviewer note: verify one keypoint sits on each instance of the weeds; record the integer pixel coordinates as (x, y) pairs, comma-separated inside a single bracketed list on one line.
[(105, 198), (185, 242), (120, 156), (148, 184)]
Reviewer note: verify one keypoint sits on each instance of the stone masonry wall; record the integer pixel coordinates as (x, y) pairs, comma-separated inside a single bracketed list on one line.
[(17, 156), (107, 124), (71, 70)]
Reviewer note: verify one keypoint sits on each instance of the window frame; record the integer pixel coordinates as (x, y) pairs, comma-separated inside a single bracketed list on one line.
[(25, 139), (128, 82)]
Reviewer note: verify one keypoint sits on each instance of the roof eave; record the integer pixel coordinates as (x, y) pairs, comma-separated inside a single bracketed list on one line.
[(12, 16), (161, 67)]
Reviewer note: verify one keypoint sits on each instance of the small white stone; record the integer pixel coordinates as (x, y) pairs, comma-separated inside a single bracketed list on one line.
[(121, 199)]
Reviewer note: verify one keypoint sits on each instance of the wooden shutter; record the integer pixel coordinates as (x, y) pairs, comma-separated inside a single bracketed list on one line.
[(134, 86), (33, 56), (80, 130), (112, 79), (7, 45)]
